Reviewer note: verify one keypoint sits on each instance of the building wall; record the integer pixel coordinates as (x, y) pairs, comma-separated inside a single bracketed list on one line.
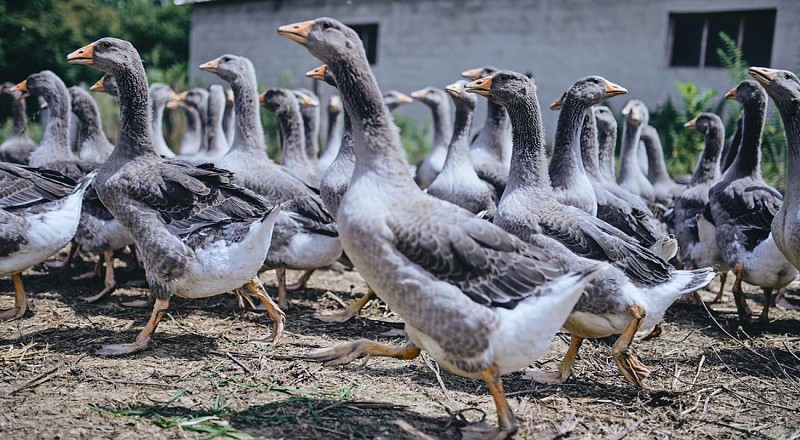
[(426, 42)]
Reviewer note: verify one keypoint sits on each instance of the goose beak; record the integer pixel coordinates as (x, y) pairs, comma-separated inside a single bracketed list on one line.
[(22, 88), (691, 124), (558, 103), (763, 75), (297, 32), (84, 55), (627, 109), (402, 98), (307, 101), (210, 66), (98, 86), (229, 95), (418, 94), (472, 74), (44, 105), (182, 95), (614, 89), (453, 89), (318, 73), (335, 104), (261, 98), (731, 94), (482, 86)]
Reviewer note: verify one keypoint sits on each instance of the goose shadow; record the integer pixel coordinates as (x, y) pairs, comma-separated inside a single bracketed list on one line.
[(766, 362), (709, 323)]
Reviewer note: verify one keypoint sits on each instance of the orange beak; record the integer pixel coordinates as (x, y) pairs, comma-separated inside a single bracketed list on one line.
[(318, 73), (402, 98), (731, 94), (305, 100), (23, 88), (210, 66), (763, 75), (472, 74), (98, 86), (481, 86), (691, 124), (418, 94), (261, 98), (84, 55), (558, 103), (297, 32), (614, 89)]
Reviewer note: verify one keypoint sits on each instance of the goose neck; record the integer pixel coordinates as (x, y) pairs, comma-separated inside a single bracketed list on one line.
[(566, 165), (249, 134), (528, 169)]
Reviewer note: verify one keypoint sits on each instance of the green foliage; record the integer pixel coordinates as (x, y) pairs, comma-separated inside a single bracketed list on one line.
[(415, 136), (732, 59)]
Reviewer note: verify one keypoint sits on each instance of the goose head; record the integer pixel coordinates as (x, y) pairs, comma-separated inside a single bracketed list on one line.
[(326, 38), (479, 72), (322, 73), (458, 93), (228, 67), (430, 96), (503, 87), (107, 54), (636, 113), (394, 99), (604, 117), (703, 123), (748, 92), (274, 99), (781, 85)]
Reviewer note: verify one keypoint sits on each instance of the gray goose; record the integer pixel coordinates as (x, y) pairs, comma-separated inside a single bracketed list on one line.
[(94, 145), (310, 110), (18, 147), (743, 207), (784, 88), (394, 99), (160, 95), (439, 104), (630, 176), (696, 235), (614, 303), (39, 213), (458, 182), (215, 132), (731, 148), (195, 102), (334, 138), (199, 235), (229, 117), (294, 157), (305, 234), (491, 150), (192, 140), (479, 300), (664, 188)]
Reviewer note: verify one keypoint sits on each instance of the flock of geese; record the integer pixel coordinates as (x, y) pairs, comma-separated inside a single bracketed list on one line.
[(485, 251)]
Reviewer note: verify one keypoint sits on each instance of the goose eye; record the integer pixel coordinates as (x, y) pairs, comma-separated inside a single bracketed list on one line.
[(106, 44), (326, 25), (786, 75)]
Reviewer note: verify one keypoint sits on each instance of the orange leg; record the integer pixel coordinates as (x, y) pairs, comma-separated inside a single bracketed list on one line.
[(301, 282), (722, 278), (110, 281), (738, 296), (91, 274), (143, 339), (350, 312), (632, 369), (564, 370), (20, 301), (505, 417), (350, 351), (275, 313)]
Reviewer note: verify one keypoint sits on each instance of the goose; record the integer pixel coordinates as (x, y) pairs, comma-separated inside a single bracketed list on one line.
[(309, 110), (229, 117), (458, 182), (39, 213), (732, 147), (570, 183), (160, 95), (743, 207), (305, 234), (630, 176), (439, 104), (480, 301), (94, 145), (634, 219), (784, 88), (394, 99), (215, 132), (664, 188), (199, 234), (18, 146), (617, 301), (195, 102), (491, 150), (106, 84), (334, 138), (606, 125), (192, 140), (696, 236), (294, 156)]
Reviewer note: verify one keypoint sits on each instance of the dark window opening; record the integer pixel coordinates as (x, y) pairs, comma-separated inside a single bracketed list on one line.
[(696, 37), (369, 37)]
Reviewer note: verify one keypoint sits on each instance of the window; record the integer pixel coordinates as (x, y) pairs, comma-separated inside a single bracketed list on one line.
[(369, 36), (695, 37)]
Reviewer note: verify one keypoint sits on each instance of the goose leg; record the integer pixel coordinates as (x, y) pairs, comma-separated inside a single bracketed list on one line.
[(631, 367), (282, 301), (301, 282), (783, 303), (722, 278), (59, 265), (141, 303), (738, 295), (350, 351), (110, 281), (20, 301), (91, 274), (245, 301), (143, 339), (350, 312), (764, 317), (507, 423), (275, 313), (564, 370)]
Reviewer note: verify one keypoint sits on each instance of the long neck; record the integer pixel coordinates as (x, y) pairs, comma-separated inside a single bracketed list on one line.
[(134, 138), (589, 145), (56, 134), (494, 130), (528, 167), (733, 147), (629, 159), (215, 133), (708, 167), (157, 119), (748, 160), (458, 150), (656, 168), (347, 148), (202, 111), (790, 112), (193, 123), (442, 125), (20, 117), (566, 165), (334, 136), (89, 128), (607, 140), (249, 134), (377, 143), (311, 132), (290, 127)]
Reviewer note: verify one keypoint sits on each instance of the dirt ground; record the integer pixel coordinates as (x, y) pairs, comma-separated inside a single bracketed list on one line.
[(203, 378)]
